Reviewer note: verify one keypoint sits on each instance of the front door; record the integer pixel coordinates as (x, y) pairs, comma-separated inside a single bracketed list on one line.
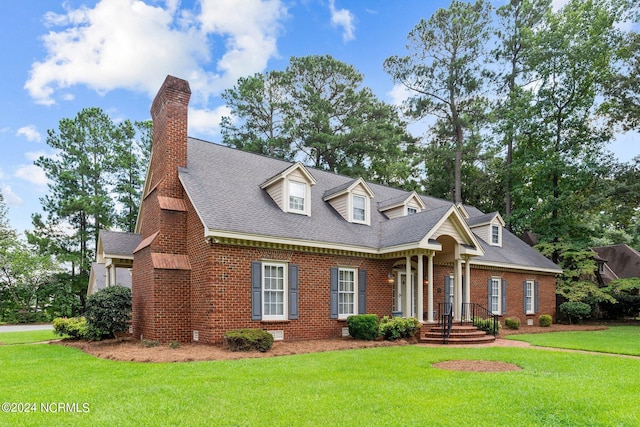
[(400, 290)]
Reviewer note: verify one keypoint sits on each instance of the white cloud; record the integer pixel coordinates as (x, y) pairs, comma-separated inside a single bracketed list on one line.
[(128, 44), (35, 155), (30, 132), (343, 18), (33, 174), (10, 198), (207, 121), (399, 94)]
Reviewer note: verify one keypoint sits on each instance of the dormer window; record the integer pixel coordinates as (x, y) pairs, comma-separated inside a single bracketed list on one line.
[(495, 234), (411, 211), (297, 196), (352, 201), (359, 208), (291, 189)]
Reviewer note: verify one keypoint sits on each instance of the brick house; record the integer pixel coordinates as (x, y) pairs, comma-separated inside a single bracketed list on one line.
[(231, 239)]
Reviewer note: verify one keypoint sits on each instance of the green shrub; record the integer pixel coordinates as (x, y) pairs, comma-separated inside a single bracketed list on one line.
[(74, 327), (512, 323), (575, 310), (248, 340), (363, 326), (108, 312), (545, 320), (393, 328), (486, 325)]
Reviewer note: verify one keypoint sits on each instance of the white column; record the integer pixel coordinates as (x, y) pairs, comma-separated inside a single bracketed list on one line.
[(407, 289), (467, 284), (430, 288), (420, 279), (457, 277)]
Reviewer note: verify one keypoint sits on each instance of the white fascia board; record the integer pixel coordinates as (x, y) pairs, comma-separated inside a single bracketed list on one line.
[(288, 241), (515, 266), (461, 226), (184, 187), (110, 257)]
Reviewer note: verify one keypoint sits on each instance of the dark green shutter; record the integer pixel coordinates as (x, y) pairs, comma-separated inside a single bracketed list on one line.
[(504, 296), (362, 291), (333, 297), (256, 290), (293, 291), (489, 294)]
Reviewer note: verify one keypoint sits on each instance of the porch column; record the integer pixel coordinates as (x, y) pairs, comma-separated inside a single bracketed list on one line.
[(420, 279), (407, 289), (457, 299), (467, 285), (430, 288)]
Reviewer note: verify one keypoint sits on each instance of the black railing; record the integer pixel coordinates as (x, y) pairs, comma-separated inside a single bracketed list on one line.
[(472, 313)]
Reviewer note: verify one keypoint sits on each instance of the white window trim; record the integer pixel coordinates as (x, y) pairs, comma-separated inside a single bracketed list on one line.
[(497, 296), (306, 201), (530, 302), (285, 308), (366, 209), (499, 242), (411, 207), (355, 292)]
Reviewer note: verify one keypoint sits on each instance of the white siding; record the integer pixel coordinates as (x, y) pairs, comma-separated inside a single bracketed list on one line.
[(395, 212), (340, 205), (275, 191), (449, 229)]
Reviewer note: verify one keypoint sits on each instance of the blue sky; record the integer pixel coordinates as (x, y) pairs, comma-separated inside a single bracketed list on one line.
[(62, 56)]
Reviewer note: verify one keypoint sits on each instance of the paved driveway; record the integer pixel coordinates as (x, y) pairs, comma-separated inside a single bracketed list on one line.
[(23, 328)]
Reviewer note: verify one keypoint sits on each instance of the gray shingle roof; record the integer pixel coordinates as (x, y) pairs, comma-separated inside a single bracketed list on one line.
[(118, 242), (224, 186)]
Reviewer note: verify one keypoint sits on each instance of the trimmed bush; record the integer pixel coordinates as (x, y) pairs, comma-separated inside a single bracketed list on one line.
[(248, 340), (363, 326), (108, 312), (486, 324), (512, 323), (545, 320), (575, 310), (393, 328), (74, 327)]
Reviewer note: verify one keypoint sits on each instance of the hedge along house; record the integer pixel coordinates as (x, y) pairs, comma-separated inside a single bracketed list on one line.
[(232, 239)]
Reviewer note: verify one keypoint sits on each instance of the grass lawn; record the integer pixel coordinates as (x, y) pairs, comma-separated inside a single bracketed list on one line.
[(27, 337), (616, 339), (392, 386)]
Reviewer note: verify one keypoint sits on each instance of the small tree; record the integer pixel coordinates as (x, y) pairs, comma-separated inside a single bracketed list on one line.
[(108, 312)]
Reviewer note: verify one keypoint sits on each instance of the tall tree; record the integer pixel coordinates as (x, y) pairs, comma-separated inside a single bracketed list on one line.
[(517, 19), (318, 111), (260, 107), (132, 152), (623, 89), (564, 155), (444, 70)]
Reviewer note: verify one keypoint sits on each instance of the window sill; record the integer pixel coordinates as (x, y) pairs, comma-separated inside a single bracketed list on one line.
[(283, 321)]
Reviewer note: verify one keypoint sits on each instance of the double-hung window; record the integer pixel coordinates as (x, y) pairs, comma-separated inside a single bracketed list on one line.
[(297, 195), (359, 208), (529, 297), (411, 211), (274, 291), (495, 295), (495, 235), (347, 292)]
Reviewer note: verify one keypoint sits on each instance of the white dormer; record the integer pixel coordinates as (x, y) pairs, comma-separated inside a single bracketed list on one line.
[(488, 227), (291, 189), (402, 206), (352, 200)]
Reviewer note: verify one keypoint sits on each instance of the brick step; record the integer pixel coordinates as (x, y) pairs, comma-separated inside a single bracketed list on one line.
[(460, 334), (451, 340)]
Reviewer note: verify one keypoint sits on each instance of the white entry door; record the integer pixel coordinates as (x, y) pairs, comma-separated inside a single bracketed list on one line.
[(401, 290)]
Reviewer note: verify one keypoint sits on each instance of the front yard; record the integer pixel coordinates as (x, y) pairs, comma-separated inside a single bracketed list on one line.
[(387, 386)]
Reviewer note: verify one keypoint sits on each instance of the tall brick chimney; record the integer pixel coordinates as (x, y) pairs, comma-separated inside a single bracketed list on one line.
[(161, 267)]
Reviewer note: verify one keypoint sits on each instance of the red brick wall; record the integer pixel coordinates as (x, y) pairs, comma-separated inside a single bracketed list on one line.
[(479, 291)]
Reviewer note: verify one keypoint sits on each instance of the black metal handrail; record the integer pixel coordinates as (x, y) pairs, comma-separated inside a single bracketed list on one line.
[(472, 313)]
